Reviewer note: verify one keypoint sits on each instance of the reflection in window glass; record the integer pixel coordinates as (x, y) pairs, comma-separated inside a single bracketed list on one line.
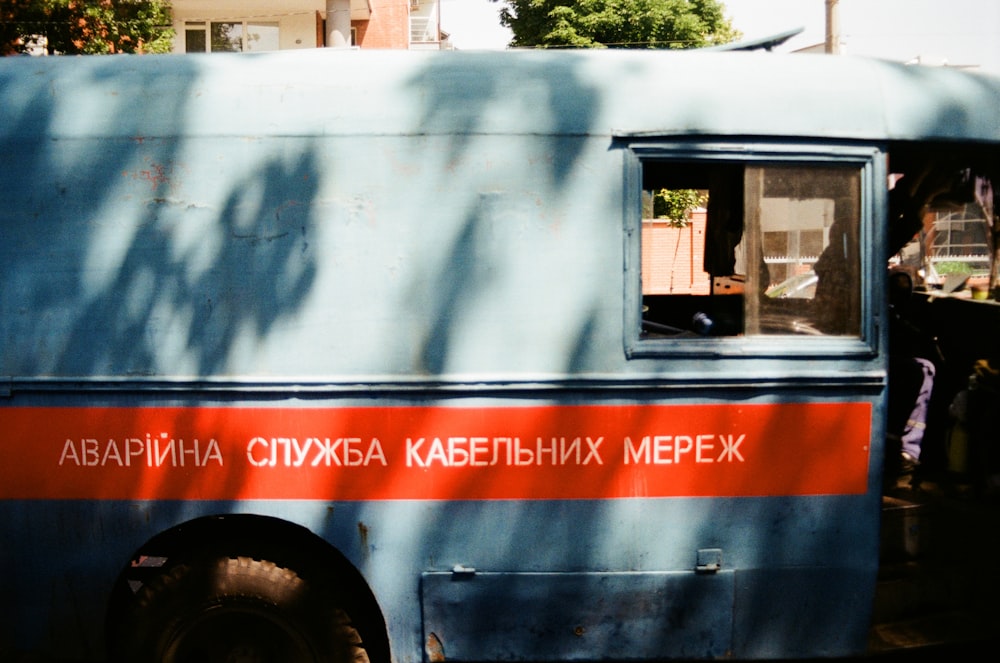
[(231, 37), (758, 250), (227, 37), (262, 37)]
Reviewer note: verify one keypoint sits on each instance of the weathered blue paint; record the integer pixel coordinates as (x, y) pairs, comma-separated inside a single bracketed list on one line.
[(381, 228), (231, 196)]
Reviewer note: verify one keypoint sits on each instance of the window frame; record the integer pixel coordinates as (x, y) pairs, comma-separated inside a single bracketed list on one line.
[(205, 26), (870, 160)]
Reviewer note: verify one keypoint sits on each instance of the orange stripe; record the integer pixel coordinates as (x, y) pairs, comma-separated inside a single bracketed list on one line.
[(379, 453)]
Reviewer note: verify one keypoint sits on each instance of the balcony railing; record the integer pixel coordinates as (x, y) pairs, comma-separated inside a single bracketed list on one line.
[(423, 30)]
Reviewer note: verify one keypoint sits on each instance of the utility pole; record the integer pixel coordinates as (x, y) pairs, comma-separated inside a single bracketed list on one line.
[(833, 27)]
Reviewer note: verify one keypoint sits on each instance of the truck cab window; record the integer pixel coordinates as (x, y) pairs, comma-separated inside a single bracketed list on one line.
[(732, 249)]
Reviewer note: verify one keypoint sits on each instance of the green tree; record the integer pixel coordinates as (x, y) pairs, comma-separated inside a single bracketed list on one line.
[(86, 26), (676, 205), (617, 23)]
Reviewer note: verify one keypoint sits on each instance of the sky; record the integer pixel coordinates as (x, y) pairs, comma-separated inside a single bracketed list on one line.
[(474, 24), (953, 32)]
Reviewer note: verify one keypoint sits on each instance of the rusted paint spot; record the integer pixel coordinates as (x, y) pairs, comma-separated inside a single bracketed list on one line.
[(434, 648), (363, 535)]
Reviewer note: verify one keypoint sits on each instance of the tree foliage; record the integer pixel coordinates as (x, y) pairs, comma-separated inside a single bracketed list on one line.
[(676, 205), (86, 26), (616, 23)]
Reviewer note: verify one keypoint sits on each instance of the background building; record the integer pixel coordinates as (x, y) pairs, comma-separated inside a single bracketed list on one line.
[(267, 25)]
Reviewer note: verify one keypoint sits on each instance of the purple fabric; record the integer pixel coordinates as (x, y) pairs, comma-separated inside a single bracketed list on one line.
[(916, 423)]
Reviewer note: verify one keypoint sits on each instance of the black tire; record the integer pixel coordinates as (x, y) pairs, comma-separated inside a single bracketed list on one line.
[(235, 610)]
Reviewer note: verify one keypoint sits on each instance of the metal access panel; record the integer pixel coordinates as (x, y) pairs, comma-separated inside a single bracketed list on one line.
[(576, 616)]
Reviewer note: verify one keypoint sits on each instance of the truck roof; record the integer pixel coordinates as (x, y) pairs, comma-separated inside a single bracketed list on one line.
[(328, 92)]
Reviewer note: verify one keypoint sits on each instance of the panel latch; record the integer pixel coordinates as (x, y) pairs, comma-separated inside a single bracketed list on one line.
[(462, 572), (709, 560)]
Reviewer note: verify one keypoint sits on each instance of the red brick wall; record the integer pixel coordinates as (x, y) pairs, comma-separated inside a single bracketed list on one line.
[(388, 27), (672, 258)]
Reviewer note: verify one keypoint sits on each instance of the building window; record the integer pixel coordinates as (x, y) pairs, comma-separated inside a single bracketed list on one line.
[(760, 248), (959, 242), (230, 37)]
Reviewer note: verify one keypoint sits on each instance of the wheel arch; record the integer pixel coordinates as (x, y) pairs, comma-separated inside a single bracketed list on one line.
[(261, 537)]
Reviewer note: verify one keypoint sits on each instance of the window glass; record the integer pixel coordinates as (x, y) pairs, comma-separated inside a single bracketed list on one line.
[(730, 249), (262, 37), (231, 37), (194, 39), (960, 242), (227, 37)]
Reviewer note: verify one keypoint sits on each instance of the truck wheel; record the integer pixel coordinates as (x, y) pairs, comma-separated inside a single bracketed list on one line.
[(235, 610)]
